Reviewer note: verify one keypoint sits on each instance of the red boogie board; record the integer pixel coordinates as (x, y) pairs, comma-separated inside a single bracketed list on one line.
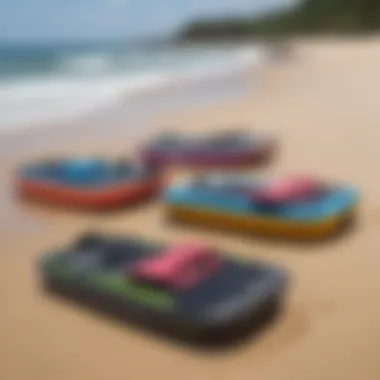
[(107, 186)]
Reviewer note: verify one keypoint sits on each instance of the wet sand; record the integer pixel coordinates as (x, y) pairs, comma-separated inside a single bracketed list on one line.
[(324, 106)]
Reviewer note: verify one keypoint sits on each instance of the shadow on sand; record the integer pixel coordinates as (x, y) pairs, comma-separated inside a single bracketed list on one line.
[(243, 331)]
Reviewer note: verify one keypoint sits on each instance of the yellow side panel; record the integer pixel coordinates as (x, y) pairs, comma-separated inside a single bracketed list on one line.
[(254, 224)]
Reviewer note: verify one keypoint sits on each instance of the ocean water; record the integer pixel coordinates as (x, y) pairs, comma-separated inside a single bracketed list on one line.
[(45, 84)]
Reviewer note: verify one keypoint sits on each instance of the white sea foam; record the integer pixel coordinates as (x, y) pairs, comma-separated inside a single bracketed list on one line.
[(88, 83)]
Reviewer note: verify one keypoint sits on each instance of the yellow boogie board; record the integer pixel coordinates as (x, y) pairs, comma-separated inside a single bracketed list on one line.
[(222, 208)]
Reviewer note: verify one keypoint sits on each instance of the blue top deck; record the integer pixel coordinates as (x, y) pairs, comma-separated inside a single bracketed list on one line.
[(83, 172), (229, 198)]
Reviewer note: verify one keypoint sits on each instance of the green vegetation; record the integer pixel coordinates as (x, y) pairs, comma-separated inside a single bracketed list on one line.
[(310, 16)]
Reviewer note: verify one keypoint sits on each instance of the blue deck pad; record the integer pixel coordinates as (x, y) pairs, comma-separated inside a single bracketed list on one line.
[(82, 172), (178, 143), (224, 198)]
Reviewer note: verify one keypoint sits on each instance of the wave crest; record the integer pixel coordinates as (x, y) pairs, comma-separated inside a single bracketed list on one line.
[(74, 84)]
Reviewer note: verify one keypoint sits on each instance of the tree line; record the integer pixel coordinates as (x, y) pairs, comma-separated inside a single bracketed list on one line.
[(311, 16)]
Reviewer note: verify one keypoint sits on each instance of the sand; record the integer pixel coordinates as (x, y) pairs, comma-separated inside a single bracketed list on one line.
[(324, 106)]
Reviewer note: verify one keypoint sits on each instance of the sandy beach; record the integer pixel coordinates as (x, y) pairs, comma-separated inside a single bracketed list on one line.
[(323, 104)]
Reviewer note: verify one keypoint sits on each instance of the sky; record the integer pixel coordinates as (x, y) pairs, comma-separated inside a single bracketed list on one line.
[(107, 19)]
